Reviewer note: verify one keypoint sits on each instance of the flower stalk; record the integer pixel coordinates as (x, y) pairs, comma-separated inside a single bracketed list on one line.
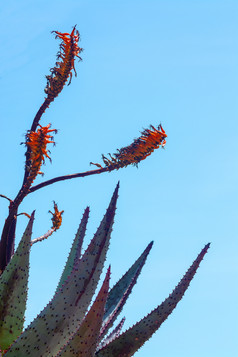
[(38, 138)]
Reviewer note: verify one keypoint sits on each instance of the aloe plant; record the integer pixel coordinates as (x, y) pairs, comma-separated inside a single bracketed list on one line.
[(70, 324)]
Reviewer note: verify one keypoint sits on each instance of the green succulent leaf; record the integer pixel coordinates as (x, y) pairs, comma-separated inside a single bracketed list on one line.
[(112, 335), (84, 341), (120, 292), (60, 319), (132, 339), (76, 248), (13, 291)]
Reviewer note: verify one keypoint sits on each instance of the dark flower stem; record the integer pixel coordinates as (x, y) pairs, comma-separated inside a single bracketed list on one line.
[(55, 85), (8, 233), (68, 177)]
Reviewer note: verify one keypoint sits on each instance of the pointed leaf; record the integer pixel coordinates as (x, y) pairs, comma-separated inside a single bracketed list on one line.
[(120, 292), (13, 291), (119, 289), (114, 334), (53, 327), (75, 251), (84, 341), (131, 340)]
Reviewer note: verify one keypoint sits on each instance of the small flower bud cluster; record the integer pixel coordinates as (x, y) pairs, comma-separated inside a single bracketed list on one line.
[(57, 217)]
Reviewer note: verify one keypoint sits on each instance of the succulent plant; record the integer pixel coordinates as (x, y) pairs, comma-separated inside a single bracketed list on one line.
[(70, 325)]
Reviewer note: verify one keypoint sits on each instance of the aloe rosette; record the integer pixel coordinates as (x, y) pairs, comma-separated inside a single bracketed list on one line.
[(67, 326)]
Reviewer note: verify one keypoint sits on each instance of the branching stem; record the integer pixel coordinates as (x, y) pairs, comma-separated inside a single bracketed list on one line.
[(68, 177), (7, 198)]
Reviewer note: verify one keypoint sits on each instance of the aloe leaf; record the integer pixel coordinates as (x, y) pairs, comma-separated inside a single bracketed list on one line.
[(76, 248), (13, 291), (59, 320), (120, 292), (84, 341), (114, 334), (132, 339)]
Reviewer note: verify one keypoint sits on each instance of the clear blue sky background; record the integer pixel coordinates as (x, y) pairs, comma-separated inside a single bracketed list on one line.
[(144, 62)]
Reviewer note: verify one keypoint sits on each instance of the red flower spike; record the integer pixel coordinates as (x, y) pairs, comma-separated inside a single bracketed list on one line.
[(142, 147), (69, 49), (37, 142)]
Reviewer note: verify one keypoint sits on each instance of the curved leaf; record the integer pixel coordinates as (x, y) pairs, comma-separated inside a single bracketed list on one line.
[(59, 320), (114, 334), (120, 292), (132, 339), (75, 251), (13, 291), (84, 341)]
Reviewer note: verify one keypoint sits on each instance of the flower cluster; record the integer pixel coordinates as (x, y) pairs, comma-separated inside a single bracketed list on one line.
[(56, 223), (141, 147), (37, 142), (57, 217), (69, 49)]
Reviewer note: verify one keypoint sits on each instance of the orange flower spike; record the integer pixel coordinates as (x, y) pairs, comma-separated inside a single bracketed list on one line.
[(57, 217), (37, 142), (69, 49), (139, 150)]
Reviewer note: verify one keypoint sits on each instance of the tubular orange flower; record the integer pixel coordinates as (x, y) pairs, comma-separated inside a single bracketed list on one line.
[(69, 49), (57, 217), (142, 147), (37, 142)]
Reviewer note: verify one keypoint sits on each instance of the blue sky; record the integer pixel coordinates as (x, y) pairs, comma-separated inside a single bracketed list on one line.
[(144, 62)]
